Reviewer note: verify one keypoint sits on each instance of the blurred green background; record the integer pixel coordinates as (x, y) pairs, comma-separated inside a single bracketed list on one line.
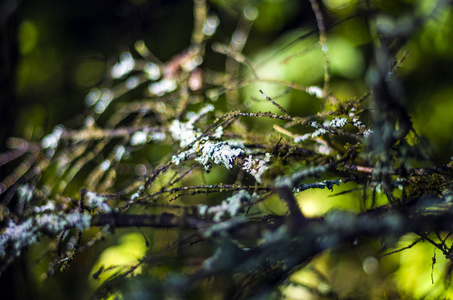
[(54, 52)]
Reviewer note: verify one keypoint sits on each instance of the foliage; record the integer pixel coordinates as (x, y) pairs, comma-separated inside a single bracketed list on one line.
[(211, 196)]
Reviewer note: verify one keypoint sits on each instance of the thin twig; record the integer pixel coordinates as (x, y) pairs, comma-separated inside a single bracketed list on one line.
[(322, 42), (273, 102)]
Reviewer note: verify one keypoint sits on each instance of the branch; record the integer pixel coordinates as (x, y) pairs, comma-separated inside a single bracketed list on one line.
[(164, 220)]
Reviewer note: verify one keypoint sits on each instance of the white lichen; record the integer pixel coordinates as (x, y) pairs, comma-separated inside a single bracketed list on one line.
[(158, 136), (323, 149), (49, 206), (105, 165), (104, 101), (256, 167), (190, 64), (210, 25), (143, 137), (314, 90), (93, 97), (177, 159), (357, 123), (229, 207), (219, 152), (318, 132), (119, 152), (338, 122), (132, 82), (139, 138), (124, 66), (134, 196), (78, 220), (89, 122), (186, 133), (162, 87), (95, 201), (326, 127), (51, 141), (15, 237), (152, 71), (250, 13), (302, 138), (218, 132), (367, 133), (25, 193)]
